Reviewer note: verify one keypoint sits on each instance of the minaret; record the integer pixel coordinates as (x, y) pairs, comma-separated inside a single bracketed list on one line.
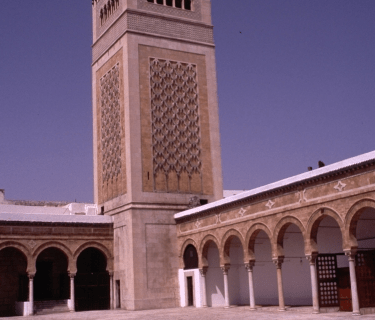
[(156, 134)]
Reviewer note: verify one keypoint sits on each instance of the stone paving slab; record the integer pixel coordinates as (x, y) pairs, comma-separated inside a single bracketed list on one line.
[(238, 313)]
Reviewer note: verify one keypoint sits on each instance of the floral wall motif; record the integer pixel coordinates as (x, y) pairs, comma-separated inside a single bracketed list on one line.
[(176, 141)]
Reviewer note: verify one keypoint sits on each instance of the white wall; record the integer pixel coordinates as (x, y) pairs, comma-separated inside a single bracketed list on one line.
[(197, 287), (265, 280), (296, 269), (366, 230), (214, 279), (238, 279)]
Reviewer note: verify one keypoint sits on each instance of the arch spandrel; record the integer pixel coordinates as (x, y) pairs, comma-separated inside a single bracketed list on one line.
[(93, 244), (313, 226), (203, 249), (183, 248), (250, 240), (24, 250), (279, 233), (351, 220), (225, 245)]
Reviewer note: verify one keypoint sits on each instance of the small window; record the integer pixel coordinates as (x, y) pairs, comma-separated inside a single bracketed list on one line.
[(188, 4), (178, 3), (203, 201)]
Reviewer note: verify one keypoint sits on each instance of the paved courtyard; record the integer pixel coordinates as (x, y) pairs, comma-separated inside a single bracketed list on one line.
[(238, 313)]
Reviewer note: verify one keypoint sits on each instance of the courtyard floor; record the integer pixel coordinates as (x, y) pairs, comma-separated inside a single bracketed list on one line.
[(238, 313)]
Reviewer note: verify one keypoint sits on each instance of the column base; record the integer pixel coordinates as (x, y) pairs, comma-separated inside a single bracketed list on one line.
[(282, 309), (316, 312), (356, 313), (226, 307), (252, 309)]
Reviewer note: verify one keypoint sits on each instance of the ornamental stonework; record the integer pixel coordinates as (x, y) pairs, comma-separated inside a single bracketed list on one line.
[(110, 132), (176, 142)]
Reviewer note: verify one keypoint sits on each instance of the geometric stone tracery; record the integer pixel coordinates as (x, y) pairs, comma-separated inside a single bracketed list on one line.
[(176, 142), (110, 124)]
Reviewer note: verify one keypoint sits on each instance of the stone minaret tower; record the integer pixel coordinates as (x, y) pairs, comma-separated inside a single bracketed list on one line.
[(156, 134)]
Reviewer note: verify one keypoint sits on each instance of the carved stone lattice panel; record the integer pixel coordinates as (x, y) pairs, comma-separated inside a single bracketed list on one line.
[(110, 124), (176, 142)]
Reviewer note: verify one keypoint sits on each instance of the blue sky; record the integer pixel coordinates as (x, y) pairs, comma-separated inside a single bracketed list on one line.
[(296, 83)]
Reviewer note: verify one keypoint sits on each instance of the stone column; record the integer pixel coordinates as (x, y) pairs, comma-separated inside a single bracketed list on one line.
[(203, 272), (31, 293), (111, 295), (278, 262), (353, 281), (72, 306), (314, 281), (226, 288), (249, 266)]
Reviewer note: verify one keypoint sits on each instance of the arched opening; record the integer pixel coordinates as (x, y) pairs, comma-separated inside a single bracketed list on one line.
[(265, 279), (237, 274), (214, 276), (190, 257), (295, 269), (178, 3), (51, 280), (332, 266), (92, 281), (13, 280), (188, 4), (365, 259)]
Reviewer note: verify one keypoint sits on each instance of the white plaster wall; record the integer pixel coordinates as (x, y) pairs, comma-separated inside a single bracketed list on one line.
[(214, 279), (238, 279), (366, 230), (296, 269), (197, 287), (265, 280)]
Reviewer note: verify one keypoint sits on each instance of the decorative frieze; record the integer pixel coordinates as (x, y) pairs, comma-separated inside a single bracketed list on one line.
[(110, 133)]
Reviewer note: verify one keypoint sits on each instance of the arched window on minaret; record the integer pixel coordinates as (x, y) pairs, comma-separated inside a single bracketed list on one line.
[(105, 12), (109, 8), (178, 4), (188, 4), (101, 16)]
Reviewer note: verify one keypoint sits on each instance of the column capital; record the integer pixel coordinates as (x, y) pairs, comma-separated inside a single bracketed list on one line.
[(250, 265), (225, 268), (31, 276), (203, 271), (111, 273), (351, 253), (72, 274), (312, 257), (278, 261)]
